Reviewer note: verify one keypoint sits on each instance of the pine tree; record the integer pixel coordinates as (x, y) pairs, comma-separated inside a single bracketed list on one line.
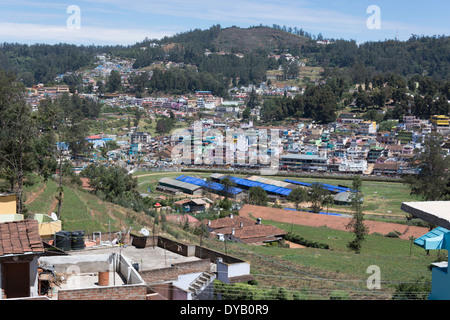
[(17, 136), (357, 223)]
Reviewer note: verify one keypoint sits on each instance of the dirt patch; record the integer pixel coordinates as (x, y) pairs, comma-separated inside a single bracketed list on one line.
[(293, 245), (32, 196), (53, 206), (333, 222)]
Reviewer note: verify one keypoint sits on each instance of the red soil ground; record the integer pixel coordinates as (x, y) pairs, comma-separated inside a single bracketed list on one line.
[(333, 222)]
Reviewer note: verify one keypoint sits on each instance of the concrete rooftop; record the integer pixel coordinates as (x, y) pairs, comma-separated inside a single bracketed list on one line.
[(148, 258), (435, 212)]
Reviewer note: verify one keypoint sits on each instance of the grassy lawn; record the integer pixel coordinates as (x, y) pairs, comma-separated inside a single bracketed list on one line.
[(81, 210), (397, 258), (379, 197), (149, 179), (340, 266), (43, 203), (384, 198)]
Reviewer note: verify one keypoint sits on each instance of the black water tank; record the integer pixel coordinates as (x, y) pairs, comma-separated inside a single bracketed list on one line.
[(63, 240), (77, 240)]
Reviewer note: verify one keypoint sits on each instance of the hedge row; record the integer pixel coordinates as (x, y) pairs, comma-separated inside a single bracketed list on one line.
[(305, 242)]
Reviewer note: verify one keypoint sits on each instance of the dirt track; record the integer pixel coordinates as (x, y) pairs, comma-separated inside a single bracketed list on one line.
[(333, 222)]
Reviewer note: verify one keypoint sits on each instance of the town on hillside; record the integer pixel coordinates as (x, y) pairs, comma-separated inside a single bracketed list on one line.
[(351, 144), (168, 171)]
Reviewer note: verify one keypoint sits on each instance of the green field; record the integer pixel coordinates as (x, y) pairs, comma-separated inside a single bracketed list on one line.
[(383, 198), (379, 197), (319, 272)]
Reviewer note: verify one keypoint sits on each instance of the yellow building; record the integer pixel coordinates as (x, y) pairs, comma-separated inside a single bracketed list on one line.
[(8, 203), (48, 226), (440, 120), (8, 208)]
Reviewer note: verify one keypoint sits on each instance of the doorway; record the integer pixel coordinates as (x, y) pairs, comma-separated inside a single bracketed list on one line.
[(16, 279)]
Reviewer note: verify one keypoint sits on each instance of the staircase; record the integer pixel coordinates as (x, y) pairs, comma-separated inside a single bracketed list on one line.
[(201, 283)]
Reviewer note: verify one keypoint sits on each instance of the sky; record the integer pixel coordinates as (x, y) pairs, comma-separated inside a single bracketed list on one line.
[(112, 22)]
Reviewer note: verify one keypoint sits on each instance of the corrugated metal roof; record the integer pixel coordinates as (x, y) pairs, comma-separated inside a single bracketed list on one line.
[(328, 187), (179, 184), (266, 187), (211, 185), (432, 240), (274, 182), (303, 157)]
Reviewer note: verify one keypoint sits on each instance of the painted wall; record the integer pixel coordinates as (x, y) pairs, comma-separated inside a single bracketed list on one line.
[(8, 204)]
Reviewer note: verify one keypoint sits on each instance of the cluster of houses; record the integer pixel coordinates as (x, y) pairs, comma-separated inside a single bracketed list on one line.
[(338, 147), (39, 261), (347, 146)]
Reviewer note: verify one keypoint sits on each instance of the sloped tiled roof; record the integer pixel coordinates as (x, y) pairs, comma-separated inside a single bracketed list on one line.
[(230, 222), (258, 233), (245, 229), (19, 237)]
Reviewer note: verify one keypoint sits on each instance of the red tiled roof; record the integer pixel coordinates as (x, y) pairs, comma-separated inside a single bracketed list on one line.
[(229, 222), (258, 231), (245, 229), (18, 237), (94, 137), (181, 218)]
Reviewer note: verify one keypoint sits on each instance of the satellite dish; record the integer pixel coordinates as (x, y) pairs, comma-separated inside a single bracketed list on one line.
[(54, 216), (145, 232)]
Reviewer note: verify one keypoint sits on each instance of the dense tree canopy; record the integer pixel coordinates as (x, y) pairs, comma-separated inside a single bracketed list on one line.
[(318, 103), (432, 181)]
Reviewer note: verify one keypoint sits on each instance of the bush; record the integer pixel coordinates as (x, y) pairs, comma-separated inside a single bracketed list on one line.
[(339, 295), (393, 234), (417, 290), (304, 242)]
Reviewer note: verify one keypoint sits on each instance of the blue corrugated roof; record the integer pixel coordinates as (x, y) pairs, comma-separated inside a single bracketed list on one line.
[(432, 240), (211, 185), (266, 187), (328, 187), (326, 213)]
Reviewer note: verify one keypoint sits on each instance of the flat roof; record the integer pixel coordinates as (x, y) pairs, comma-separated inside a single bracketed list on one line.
[(435, 212), (148, 258), (303, 157)]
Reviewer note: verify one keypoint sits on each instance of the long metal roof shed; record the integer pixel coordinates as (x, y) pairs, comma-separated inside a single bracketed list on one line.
[(211, 185), (266, 187), (328, 187), (178, 184), (274, 182)]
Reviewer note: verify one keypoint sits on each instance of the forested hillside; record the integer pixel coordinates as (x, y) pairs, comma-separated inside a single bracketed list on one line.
[(40, 63), (427, 56), (418, 56)]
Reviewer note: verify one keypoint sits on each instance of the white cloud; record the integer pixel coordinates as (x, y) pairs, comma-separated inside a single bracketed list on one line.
[(37, 33)]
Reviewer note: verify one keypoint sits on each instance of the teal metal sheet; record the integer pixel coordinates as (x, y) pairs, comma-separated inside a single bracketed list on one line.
[(432, 240)]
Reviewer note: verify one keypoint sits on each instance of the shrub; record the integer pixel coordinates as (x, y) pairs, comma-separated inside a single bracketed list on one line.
[(417, 290), (339, 295), (305, 242), (393, 234)]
